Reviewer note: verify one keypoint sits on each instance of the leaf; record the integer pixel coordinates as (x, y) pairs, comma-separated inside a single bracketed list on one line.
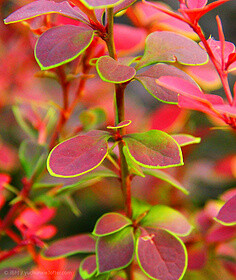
[(110, 223), (162, 216), (92, 118), (88, 267), (161, 255), (82, 243), (33, 158), (227, 214), (123, 5), (73, 184), (18, 114), (115, 251), (78, 155), (148, 80), (120, 125), (134, 168), (62, 44), (38, 8), (153, 149), (167, 178), (193, 4), (99, 4), (165, 46), (139, 207), (112, 71), (186, 139)]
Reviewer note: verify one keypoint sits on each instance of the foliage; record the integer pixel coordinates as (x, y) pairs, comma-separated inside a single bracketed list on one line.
[(87, 143)]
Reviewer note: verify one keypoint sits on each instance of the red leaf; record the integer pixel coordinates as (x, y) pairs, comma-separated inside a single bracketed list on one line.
[(115, 251), (61, 44), (111, 223), (88, 267), (161, 255), (112, 71), (79, 154), (148, 80), (42, 7), (220, 233), (83, 243), (196, 3), (227, 214), (153, 149)]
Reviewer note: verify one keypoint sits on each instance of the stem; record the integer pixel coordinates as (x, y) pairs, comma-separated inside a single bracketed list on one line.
[(120, 116), (63, 113), (223, 75)]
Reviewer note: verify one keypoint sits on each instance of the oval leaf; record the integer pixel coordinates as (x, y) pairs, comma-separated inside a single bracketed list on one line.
[(167, 178), (83, 243), (98, 4), (161, 255), (153, 149), (111, 223), (161, 216), (112, 71), (38, 8), (78, 155), (186, 139), (227, 214), (88, 267), (115, 251), (62, 44), (148, 80), (165, 46)]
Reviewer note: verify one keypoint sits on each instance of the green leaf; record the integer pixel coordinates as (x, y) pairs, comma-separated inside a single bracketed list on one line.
[(92, 118), (140, 208), (33, 158), (22, 123), (153, 149), (112, 71), (167, 178), (110, 223), (120, 125), (162, 216), (134, 168), (165, 46)]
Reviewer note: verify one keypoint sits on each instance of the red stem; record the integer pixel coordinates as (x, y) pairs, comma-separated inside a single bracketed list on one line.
[(223, 75)]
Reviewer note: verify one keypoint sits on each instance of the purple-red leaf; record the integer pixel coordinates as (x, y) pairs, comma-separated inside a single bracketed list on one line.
[(227, 214), (162, 216), (99, 4), (167, 178), (88, 267), (38, 8), (83, 243), (111, 223), (161, 255), (115, 251), (62, 44), (123, 5), (148, 80), (78, 155), (112, 71), (192, 4), (153, 149), (165, 46), (186, 139)]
